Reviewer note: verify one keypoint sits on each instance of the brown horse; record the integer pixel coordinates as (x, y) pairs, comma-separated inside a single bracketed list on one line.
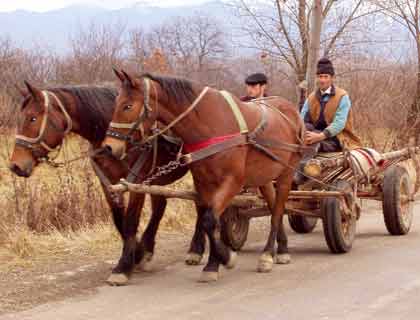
[(48, 115), (266, 147)]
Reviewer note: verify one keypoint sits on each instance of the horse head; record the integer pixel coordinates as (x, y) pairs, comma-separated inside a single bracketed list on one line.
[(42, 125), (133, 116)]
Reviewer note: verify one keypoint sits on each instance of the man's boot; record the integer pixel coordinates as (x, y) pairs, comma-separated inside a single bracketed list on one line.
[(299, 178)]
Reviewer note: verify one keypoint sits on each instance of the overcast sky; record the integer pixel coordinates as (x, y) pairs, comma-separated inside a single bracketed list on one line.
[(46, 5)]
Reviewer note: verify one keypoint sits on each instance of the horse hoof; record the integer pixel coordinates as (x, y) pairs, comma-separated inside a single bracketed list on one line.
[(207, 277), (146, 263), (265, 263), (193, 259), (232, 260), (117, 279), (283, 258)]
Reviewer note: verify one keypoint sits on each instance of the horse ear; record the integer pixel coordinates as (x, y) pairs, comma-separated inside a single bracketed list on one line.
[(36, 93), (129, 79), (119, 74)]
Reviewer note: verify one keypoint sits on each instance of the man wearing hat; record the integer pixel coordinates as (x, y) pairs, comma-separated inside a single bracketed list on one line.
[(328, 116), (255, 86)]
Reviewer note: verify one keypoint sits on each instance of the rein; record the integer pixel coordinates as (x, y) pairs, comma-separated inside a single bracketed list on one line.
[(33, 144)]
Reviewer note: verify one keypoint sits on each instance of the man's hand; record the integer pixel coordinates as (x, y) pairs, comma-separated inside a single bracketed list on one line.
[(314, 137)]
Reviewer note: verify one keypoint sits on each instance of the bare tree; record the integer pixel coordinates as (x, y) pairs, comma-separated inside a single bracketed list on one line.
[(138, 49), (407, 14), (94, 51), (282, 28), (191, 44)]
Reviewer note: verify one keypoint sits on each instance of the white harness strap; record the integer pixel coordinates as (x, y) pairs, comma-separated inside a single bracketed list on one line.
[(46, 94), (63, 110)]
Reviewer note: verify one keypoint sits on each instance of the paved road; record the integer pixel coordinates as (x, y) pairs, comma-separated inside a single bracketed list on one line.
[(378, 279)]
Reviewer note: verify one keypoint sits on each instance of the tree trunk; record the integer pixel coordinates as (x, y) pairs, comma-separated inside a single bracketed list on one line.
[(314, 46)]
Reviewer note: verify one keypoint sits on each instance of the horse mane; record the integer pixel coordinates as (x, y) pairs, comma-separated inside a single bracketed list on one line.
[(95, 106), (179, 89)]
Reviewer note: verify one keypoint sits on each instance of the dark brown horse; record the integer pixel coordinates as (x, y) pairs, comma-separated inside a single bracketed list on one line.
[(48, 115), (269, 150)]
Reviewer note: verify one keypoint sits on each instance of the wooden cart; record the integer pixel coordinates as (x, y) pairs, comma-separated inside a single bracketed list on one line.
[(333, 196)]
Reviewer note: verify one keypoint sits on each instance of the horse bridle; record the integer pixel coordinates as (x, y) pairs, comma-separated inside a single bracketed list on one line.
[(33, 144), (138, 124)]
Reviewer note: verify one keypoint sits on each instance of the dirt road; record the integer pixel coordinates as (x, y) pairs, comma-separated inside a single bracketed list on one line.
[(378, 279)]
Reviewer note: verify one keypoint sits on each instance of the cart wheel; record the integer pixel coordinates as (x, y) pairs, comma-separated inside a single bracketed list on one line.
[(397, 205), (234, 228), (339, 229), (302, 224)]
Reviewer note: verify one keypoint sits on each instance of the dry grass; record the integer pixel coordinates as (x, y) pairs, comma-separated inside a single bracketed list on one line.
[(25, 248), (62, 209)]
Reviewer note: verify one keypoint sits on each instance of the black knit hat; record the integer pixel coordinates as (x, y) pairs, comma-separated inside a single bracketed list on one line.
[(325, 66), (256, 78)]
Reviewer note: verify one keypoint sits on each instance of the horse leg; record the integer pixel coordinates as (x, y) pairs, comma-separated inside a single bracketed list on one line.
[(116, 203), (219, 252), (283, 256), (198, 242), (269, 194), (146, 247), (124, 268), (283, 186)]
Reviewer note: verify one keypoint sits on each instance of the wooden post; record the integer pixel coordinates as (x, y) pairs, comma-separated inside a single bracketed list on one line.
[(242, 201)]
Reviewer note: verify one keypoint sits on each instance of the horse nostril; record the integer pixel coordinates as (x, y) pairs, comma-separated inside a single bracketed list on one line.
[(108, 149), (13, 167), (116, 151), (17, 170)]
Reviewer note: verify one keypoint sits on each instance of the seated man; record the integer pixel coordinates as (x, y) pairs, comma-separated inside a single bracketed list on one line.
[(328, 118), (256, 85)]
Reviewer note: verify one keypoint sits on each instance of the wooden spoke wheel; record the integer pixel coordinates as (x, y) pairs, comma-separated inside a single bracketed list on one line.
[(302, 224), (234, 228), (339, 226), (397, 204)]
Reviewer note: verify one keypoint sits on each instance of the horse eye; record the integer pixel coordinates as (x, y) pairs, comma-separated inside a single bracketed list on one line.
[(33, 119), (128, 107)]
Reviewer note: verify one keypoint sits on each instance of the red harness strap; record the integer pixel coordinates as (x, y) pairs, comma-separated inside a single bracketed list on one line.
[(192, 147)]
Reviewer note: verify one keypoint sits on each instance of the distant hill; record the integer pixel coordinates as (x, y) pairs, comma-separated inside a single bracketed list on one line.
[(53, 28)]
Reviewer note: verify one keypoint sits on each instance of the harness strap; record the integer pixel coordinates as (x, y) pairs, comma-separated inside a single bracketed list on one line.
[(43, 124), (133, 126), (251, 139), (238, 140), (138, 165), (63, 110), (299, 130), (179, 118), (99, 173), (243, 127), (30, 142)]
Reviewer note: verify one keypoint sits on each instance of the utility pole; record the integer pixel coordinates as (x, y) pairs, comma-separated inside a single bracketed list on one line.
[(314, 44)]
